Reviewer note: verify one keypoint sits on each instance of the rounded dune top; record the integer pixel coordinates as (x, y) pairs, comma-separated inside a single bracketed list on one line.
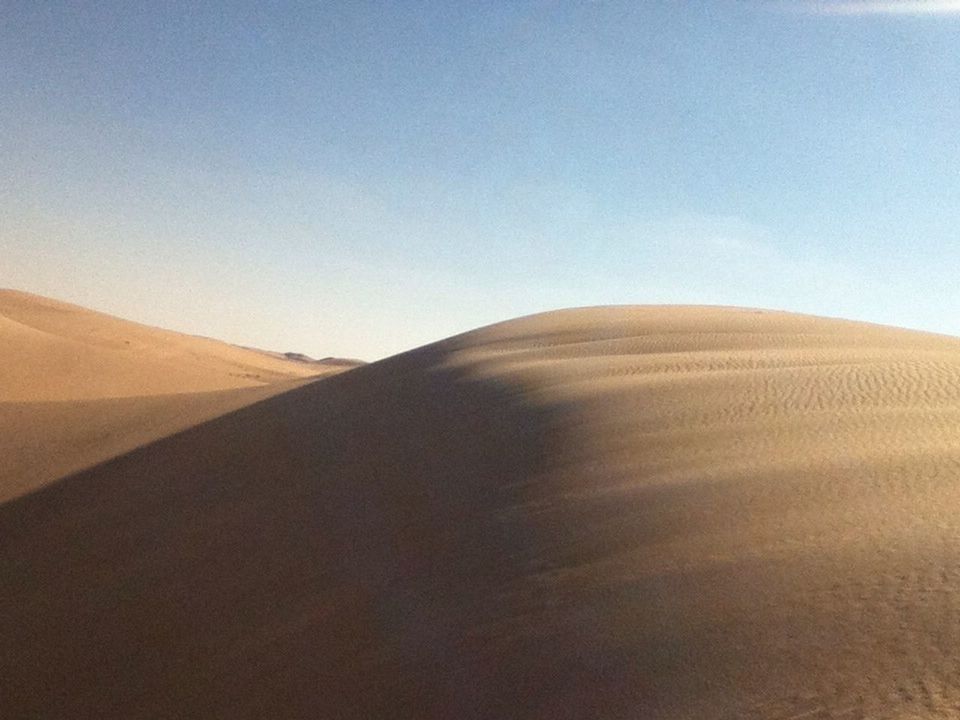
[(710, 336), (51, 350)]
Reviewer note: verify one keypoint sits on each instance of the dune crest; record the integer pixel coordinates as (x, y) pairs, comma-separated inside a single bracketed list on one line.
[(653, 512)]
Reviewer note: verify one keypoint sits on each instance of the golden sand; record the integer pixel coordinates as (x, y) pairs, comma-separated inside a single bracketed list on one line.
[(637, 512)]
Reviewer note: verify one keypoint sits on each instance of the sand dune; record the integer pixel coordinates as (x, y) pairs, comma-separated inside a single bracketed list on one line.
[(55, 351), (613, 512), (78, 387)]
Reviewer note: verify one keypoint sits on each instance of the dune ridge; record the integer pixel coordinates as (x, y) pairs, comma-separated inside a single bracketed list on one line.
[(655, 512)]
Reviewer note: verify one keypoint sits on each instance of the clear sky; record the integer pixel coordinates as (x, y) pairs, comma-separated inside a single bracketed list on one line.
[(359, 178)]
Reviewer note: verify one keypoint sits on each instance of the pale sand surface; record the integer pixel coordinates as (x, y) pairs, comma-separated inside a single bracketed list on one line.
[(50, 350), (79, 387), (601, 513)]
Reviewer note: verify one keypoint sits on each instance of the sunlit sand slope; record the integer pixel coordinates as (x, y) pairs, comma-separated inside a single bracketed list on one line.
[(616, 513), (50, 350), (78, 387)]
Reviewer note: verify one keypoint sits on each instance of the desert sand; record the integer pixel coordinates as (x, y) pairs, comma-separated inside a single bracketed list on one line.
[(78, 387), (630, 512)]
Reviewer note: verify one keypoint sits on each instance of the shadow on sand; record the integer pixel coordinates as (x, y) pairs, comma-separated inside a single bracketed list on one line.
[(347, 549)]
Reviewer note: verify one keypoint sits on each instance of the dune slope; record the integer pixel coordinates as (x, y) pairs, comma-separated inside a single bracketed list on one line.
[(53, 351), (78, 387), (619, 513)]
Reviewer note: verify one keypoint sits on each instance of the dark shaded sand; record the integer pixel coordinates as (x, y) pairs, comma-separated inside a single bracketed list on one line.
[(616, 513)]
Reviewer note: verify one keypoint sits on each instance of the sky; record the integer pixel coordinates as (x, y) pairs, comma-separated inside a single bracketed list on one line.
[(358, 178)]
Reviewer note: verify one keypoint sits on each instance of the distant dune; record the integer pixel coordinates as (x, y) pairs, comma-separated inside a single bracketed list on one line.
[(78, 387), (55, 351), (633, 512), (301, 358)]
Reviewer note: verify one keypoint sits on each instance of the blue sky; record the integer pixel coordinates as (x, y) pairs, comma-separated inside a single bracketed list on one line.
[(360, 178)]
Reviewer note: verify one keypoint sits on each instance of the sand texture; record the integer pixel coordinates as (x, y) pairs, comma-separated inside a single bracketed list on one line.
[(638, 512)]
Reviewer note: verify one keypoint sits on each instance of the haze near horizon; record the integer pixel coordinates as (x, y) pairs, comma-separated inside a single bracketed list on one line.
[(358, 179)]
